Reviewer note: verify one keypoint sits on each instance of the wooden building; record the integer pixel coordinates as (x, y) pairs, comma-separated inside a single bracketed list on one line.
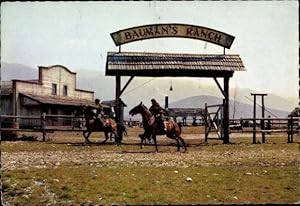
[(184, 113), (54, 93)]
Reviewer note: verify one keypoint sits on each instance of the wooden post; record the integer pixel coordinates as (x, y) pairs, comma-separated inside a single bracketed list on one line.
[(222, 120), (14, 99), (254, 120), (118, 103), (43, 125), (166, 102), (226, 111), (292, 129), (263, 116), (206, 122)]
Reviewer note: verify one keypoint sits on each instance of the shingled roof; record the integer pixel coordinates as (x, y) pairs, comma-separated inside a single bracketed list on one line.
[(55, 100), (167, 64)]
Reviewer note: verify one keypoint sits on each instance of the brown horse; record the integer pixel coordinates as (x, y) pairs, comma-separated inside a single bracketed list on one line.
[(156, 126), (108, 126)]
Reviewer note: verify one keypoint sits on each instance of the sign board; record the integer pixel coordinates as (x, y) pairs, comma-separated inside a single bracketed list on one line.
[(172, 30)]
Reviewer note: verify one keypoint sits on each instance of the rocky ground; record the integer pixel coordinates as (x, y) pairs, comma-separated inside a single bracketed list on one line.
[(125, 155)]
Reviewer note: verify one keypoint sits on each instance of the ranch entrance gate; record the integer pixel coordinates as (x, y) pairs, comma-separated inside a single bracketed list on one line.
[(141, 64)]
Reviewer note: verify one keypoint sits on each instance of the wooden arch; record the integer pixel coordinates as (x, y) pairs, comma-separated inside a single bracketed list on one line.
[(174, 65)]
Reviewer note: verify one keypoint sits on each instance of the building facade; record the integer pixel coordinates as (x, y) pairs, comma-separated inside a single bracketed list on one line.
[(54, 93)]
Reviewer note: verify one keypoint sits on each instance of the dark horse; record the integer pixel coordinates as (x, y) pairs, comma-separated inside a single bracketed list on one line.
[(156, 126), (108, 126)]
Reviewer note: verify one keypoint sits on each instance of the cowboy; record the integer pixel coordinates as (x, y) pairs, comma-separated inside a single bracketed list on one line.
[(99, 111), (156, 109), (158, 112)]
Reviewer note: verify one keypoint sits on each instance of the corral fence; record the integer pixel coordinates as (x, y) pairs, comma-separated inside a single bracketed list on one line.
[(213, 123), (266, 126), (10, 124)]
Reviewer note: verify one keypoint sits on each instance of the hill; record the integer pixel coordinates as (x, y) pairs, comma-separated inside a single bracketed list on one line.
[(17, 71), (241, 109)]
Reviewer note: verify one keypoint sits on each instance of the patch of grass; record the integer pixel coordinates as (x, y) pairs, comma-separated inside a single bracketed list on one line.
[(147, 185)]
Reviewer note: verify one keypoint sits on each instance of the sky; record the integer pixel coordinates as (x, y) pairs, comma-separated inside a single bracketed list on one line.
[(77, 35)]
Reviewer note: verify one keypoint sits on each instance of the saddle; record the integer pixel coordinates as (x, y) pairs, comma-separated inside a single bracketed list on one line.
[(160, 127)]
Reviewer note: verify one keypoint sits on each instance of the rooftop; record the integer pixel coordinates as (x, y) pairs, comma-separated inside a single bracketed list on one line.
[(58, 100), (167, 64)]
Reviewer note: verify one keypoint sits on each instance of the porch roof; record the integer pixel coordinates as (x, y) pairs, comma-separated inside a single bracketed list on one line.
[(55, 100)]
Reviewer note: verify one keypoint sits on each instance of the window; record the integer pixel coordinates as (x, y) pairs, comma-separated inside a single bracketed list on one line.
[(54, 89), (65, 91)]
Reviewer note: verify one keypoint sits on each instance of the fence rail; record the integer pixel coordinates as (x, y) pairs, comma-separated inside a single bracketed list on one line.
[(265, 126), (11, 123), (289, 125)]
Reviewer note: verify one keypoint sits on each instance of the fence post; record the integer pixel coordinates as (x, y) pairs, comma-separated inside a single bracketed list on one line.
[(263, 120), (43, 125), (206, 122), (290, 130), (254, 120)]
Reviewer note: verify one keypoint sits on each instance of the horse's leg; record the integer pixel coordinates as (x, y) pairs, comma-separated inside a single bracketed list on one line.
[(178, 144), (183, 143), (116, 136), (110, 137), (86, 137), (142, 137), (155, 143), (149, 139), (124, 130), (106, 136), (171, 136)]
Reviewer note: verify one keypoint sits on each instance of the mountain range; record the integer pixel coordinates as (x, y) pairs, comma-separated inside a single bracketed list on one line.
[(187, 92)]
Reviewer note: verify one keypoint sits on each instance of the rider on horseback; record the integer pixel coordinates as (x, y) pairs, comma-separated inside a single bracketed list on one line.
[(158, 112), (99, 111)]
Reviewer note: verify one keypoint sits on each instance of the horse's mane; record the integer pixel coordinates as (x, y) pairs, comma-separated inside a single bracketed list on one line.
[(146, 109)]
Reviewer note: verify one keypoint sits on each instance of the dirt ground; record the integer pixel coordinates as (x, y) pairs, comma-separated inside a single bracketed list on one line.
[(69, 147)]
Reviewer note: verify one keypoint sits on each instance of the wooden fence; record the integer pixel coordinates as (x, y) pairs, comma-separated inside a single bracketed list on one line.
[(264, 126), (35, 123)]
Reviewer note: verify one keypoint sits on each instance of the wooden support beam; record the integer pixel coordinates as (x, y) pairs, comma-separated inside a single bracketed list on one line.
[(126, 85), (218, 84), (118, 92), (226, 111), (118, 105)]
